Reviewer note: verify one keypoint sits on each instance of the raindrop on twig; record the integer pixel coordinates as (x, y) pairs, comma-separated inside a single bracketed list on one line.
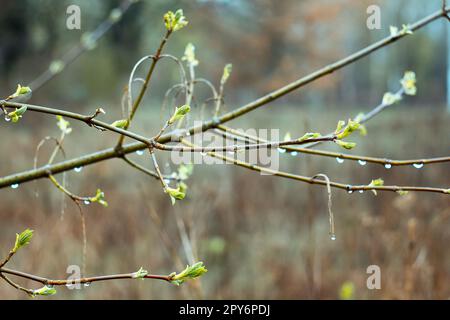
[(362, 162), (418, 165)]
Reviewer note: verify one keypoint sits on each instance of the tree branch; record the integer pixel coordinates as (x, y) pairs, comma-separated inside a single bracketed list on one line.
[(84, 280), (312, 180), (132, 147)]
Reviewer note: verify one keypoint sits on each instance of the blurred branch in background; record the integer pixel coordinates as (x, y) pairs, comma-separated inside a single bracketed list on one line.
[(87, 42)]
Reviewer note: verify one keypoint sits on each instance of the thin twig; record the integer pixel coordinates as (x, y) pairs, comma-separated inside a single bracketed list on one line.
[(83, 280), (312, 180), (237, 134)]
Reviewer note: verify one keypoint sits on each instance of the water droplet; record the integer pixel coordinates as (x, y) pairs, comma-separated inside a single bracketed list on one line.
[(418, 165), (361, 191), (230, 152), (349, 189), (7, 118), (362, 162), (281, 150), (15, 186), (294, 153), (388, 165), (188, 134), (87, 284), (87, 202), (339, 160), (167, 181), (203, 153), (78, 169), (333, 237), (140, 152)]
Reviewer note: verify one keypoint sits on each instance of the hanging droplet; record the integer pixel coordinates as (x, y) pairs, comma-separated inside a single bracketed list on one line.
[(78, 169), (87, 284), (87, 202), (140, 152), (231, 152), (349, 189), (7, 118), (418, 165), (339, 160), (203, 153), (281, 150), (362, 162), (15, 186), (388, 165), (294, 153), (361, 191), (188, 134), (333, 237)]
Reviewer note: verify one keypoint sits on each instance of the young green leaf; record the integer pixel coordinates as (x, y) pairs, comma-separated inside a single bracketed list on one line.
[(346, 145), (175, 21), (175, 194), (340, 126), (20, 91), (362, 128), (406, 29), (120, 123), (391, 98), (17, 114), (342, 132), (226, 73), (63, 125), (393, 31), (409, 83), (309, 135), (140, 274), (179, 113), (182, 187), (191, 272), (189, 55), (44, 291), (376, 183), (23, 239), (100, 198)]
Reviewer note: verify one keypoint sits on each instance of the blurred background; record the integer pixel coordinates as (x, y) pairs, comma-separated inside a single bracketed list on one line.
[(261, 237)]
